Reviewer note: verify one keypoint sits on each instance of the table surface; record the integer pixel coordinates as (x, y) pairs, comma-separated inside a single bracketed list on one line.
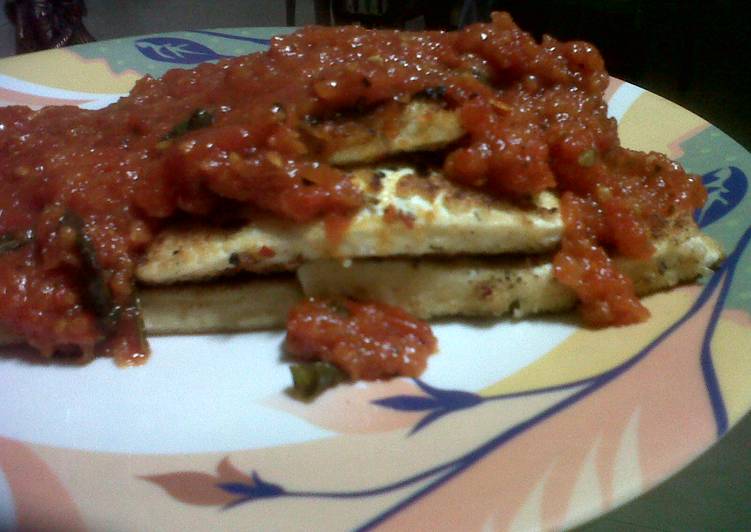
[(713, 493)]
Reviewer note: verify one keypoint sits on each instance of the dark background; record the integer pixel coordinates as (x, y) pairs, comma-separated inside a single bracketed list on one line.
[(694, 53), (691, 52)]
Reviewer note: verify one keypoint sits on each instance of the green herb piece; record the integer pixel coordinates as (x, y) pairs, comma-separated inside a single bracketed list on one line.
[(140, 325), (311, 378), (339, 308), (10, 242), (588, 158), (97, 295), (200, 119), (434, 93)]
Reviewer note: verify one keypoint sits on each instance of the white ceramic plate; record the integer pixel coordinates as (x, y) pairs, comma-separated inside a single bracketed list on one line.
[(514, 425)]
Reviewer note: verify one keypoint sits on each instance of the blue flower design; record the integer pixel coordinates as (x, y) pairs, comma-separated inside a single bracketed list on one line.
[(726, 188), (257, 489), (437, 403), (176, 50)]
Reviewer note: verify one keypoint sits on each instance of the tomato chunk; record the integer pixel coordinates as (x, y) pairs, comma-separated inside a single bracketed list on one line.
[(366, 340)]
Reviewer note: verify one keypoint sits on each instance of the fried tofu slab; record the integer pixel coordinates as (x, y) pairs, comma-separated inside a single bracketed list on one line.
[(405, 214), (500, 285)]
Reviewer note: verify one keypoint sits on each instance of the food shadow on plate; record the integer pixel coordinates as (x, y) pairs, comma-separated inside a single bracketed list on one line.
[(559, 318), (27, 355)]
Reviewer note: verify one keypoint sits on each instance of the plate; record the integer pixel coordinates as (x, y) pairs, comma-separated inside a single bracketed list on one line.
[(515, 425)]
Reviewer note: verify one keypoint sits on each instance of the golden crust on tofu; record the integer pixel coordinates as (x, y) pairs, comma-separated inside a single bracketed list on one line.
[(404, 214), (419, 126), (219, 307), (494, 286), (230, 306)]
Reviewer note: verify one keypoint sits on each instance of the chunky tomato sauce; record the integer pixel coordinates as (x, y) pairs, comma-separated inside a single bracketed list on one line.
[(82, 192), (367, 341)]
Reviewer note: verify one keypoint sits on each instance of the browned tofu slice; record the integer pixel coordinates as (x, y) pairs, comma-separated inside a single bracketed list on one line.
[(220, 307), (404, 214), (420, 126), (495, 286)]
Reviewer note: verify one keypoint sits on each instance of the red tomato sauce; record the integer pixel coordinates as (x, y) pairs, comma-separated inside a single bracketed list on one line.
[(367, 341), (234, 134)]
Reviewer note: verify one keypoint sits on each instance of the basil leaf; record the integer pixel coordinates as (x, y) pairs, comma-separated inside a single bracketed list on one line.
[(96, 291), (200, 119), (312, 378), (587, 158), (9, 242)]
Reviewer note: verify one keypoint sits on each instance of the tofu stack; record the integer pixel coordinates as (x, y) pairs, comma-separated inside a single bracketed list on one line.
[(420, 242)]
